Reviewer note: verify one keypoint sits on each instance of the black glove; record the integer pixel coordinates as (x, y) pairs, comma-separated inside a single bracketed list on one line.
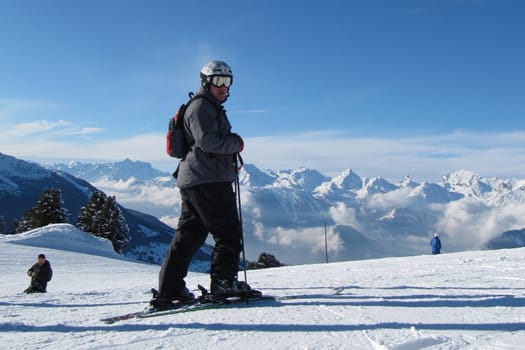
[(241, 141)]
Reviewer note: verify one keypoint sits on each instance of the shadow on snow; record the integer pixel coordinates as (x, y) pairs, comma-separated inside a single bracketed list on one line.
[(411, 301), (273, 327), (52, 305)]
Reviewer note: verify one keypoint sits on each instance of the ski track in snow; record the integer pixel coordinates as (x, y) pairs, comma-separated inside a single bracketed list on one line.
[(471, 300)]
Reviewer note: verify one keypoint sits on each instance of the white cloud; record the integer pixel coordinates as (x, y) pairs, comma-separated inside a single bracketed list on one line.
[(469, 224), (248, 111), (39, 126), (54, 145), (343, 215), (46, 132), (79, 131), (149, 198), (311, 238), (399, 198), (12, 107), (169, 220), (424, 157)]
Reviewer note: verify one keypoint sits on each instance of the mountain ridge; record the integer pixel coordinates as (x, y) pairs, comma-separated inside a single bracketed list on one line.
[(285, 211)]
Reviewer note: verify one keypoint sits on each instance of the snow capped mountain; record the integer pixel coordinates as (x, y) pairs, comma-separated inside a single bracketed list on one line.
[(374, 185), (21, 184), (347, 181), (285, 211), (252, 176), (433, 193), (508, 239), (407, 182), (301, 179), (126, 169), (467, 183), (12, 169)]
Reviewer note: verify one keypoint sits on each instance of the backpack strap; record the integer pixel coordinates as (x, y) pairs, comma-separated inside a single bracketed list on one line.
[(194, 97)]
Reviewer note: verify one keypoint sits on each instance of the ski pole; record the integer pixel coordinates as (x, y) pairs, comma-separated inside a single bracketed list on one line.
[(238, 191)]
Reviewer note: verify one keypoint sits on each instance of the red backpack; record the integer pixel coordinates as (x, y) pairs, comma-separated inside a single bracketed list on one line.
[(176, 143)]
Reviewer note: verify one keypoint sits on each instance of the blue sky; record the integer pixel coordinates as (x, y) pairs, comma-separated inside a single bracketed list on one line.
[(387, 88)]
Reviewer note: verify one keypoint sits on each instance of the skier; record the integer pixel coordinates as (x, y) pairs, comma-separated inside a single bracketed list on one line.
[(40, 274), (204, 177), (435, 243)]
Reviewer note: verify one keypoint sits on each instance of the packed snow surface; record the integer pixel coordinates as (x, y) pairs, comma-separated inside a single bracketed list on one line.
[(469, 300)]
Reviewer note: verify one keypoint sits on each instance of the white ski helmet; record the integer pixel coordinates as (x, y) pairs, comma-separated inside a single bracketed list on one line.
[(436, 235), (215, 68)]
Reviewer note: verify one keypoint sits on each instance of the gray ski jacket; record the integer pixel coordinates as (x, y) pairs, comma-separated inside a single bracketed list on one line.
[(211, 158)]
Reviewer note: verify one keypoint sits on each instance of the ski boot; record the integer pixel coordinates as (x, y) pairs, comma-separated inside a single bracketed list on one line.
[(159, 302), (223, 289)]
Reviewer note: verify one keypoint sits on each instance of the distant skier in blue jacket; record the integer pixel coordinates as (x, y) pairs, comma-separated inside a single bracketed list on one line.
[(435, 243)]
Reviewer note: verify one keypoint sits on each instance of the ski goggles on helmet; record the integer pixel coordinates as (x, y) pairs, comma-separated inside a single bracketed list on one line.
[(220, 80)]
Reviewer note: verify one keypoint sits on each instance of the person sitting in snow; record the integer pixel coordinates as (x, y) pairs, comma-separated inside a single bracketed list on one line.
[(435, 243), (40, 274)]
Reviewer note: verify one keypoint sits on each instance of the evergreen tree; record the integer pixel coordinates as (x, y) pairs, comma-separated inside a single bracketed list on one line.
[(117, 228), (90, 214), (26, 222), (102, 217), (14, 226), (2, 226), (48, 210)]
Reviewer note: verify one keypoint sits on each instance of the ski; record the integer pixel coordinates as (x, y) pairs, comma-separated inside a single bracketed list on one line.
[(204, 302), (209, 305), (339, 290), (123, 317)]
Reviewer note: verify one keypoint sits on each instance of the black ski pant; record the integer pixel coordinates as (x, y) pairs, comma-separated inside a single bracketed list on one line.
[(208, 208)]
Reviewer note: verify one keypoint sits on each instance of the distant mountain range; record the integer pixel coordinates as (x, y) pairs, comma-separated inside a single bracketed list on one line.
[(22, 182), (285, 211)]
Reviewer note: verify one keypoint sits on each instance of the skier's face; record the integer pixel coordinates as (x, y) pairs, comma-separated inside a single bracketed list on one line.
[(41, 261), (219, 93)]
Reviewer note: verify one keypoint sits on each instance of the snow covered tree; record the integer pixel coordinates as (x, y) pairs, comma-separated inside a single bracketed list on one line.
[(48, 210), (89, 216), (102, 217), (117, 227), (26, 222)]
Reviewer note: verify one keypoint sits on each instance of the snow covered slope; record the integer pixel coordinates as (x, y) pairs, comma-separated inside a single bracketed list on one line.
[(65, 237), (470, 300)]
